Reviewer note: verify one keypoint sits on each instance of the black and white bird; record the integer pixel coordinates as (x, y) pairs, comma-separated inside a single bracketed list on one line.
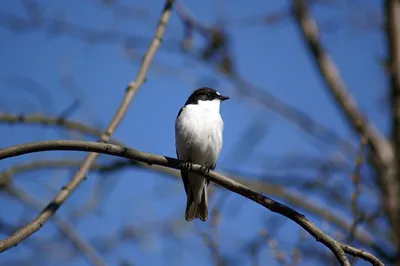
[(198, 140)]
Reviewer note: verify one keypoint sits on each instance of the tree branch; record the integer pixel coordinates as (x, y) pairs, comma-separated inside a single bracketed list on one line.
[(336, 247), (131, 91), (335, 84), (264, 186), (382, 151), (392, 9), (220, 45), (46, 120), (66, 228)]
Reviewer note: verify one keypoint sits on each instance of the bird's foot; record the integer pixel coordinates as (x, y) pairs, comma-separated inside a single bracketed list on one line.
[(205, 168), (186, 165)]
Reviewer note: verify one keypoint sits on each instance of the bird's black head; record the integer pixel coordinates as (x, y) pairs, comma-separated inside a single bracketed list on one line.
[(205, 94)]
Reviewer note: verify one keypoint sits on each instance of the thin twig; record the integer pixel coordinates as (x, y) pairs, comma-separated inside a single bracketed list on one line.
[(66, 163), (211, 244), (66, 228), (246, 88), (337, 248), (381, 149), (131, 91), (357, 216), (46, 120), (262, 185), (334, 81)]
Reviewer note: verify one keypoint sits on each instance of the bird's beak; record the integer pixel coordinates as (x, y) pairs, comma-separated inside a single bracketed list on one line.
[(223, 98)]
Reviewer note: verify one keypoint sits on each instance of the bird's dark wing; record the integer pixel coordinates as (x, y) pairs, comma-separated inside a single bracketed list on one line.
[(212, 168), (185, 179), (184, 175)]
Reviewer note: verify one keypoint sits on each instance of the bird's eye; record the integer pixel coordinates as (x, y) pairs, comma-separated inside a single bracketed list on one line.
[(208, 95)]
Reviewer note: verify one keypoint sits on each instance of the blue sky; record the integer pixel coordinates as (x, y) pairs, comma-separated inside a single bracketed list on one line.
[(271, 57)]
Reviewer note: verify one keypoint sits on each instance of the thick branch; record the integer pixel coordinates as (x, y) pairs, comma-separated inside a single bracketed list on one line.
[(336, 85), (131, 91), (269, 188), (336, 247), (392, 8), (382, 151)]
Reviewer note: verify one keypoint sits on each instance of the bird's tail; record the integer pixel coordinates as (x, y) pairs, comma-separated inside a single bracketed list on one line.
[(194, 210)]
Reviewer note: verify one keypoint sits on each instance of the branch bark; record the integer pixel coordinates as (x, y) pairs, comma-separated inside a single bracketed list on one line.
[(264, 186), (46, 120), (246, 88), (131, 91), (335, 84), (337, 248), (392, 10), (381, 150), (66, 228)]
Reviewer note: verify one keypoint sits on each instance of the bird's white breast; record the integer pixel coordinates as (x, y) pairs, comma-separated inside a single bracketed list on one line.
[(198, 132)]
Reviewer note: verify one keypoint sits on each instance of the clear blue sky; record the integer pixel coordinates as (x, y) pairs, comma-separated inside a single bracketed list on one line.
[(272, 57)]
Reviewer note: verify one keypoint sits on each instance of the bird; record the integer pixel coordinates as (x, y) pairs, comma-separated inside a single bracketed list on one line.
[(198, 140)]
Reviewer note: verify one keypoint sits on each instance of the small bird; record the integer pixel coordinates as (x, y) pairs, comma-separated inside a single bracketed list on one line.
[(198, 140)]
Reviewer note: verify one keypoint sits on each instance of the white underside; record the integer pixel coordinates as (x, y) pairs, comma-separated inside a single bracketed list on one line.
[(198, 136)]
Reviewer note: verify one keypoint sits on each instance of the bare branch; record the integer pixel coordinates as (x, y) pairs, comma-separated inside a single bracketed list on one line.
[(337, 248), (392, 9), (217, 44), (45, 120), (66, 228), (131, 91), (214, 250), (358, 215), (382, 151), (262, 185), (335, 83), (357, 176)]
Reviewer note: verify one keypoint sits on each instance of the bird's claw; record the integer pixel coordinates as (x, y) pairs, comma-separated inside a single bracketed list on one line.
[(205, 168), (186, 165)]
